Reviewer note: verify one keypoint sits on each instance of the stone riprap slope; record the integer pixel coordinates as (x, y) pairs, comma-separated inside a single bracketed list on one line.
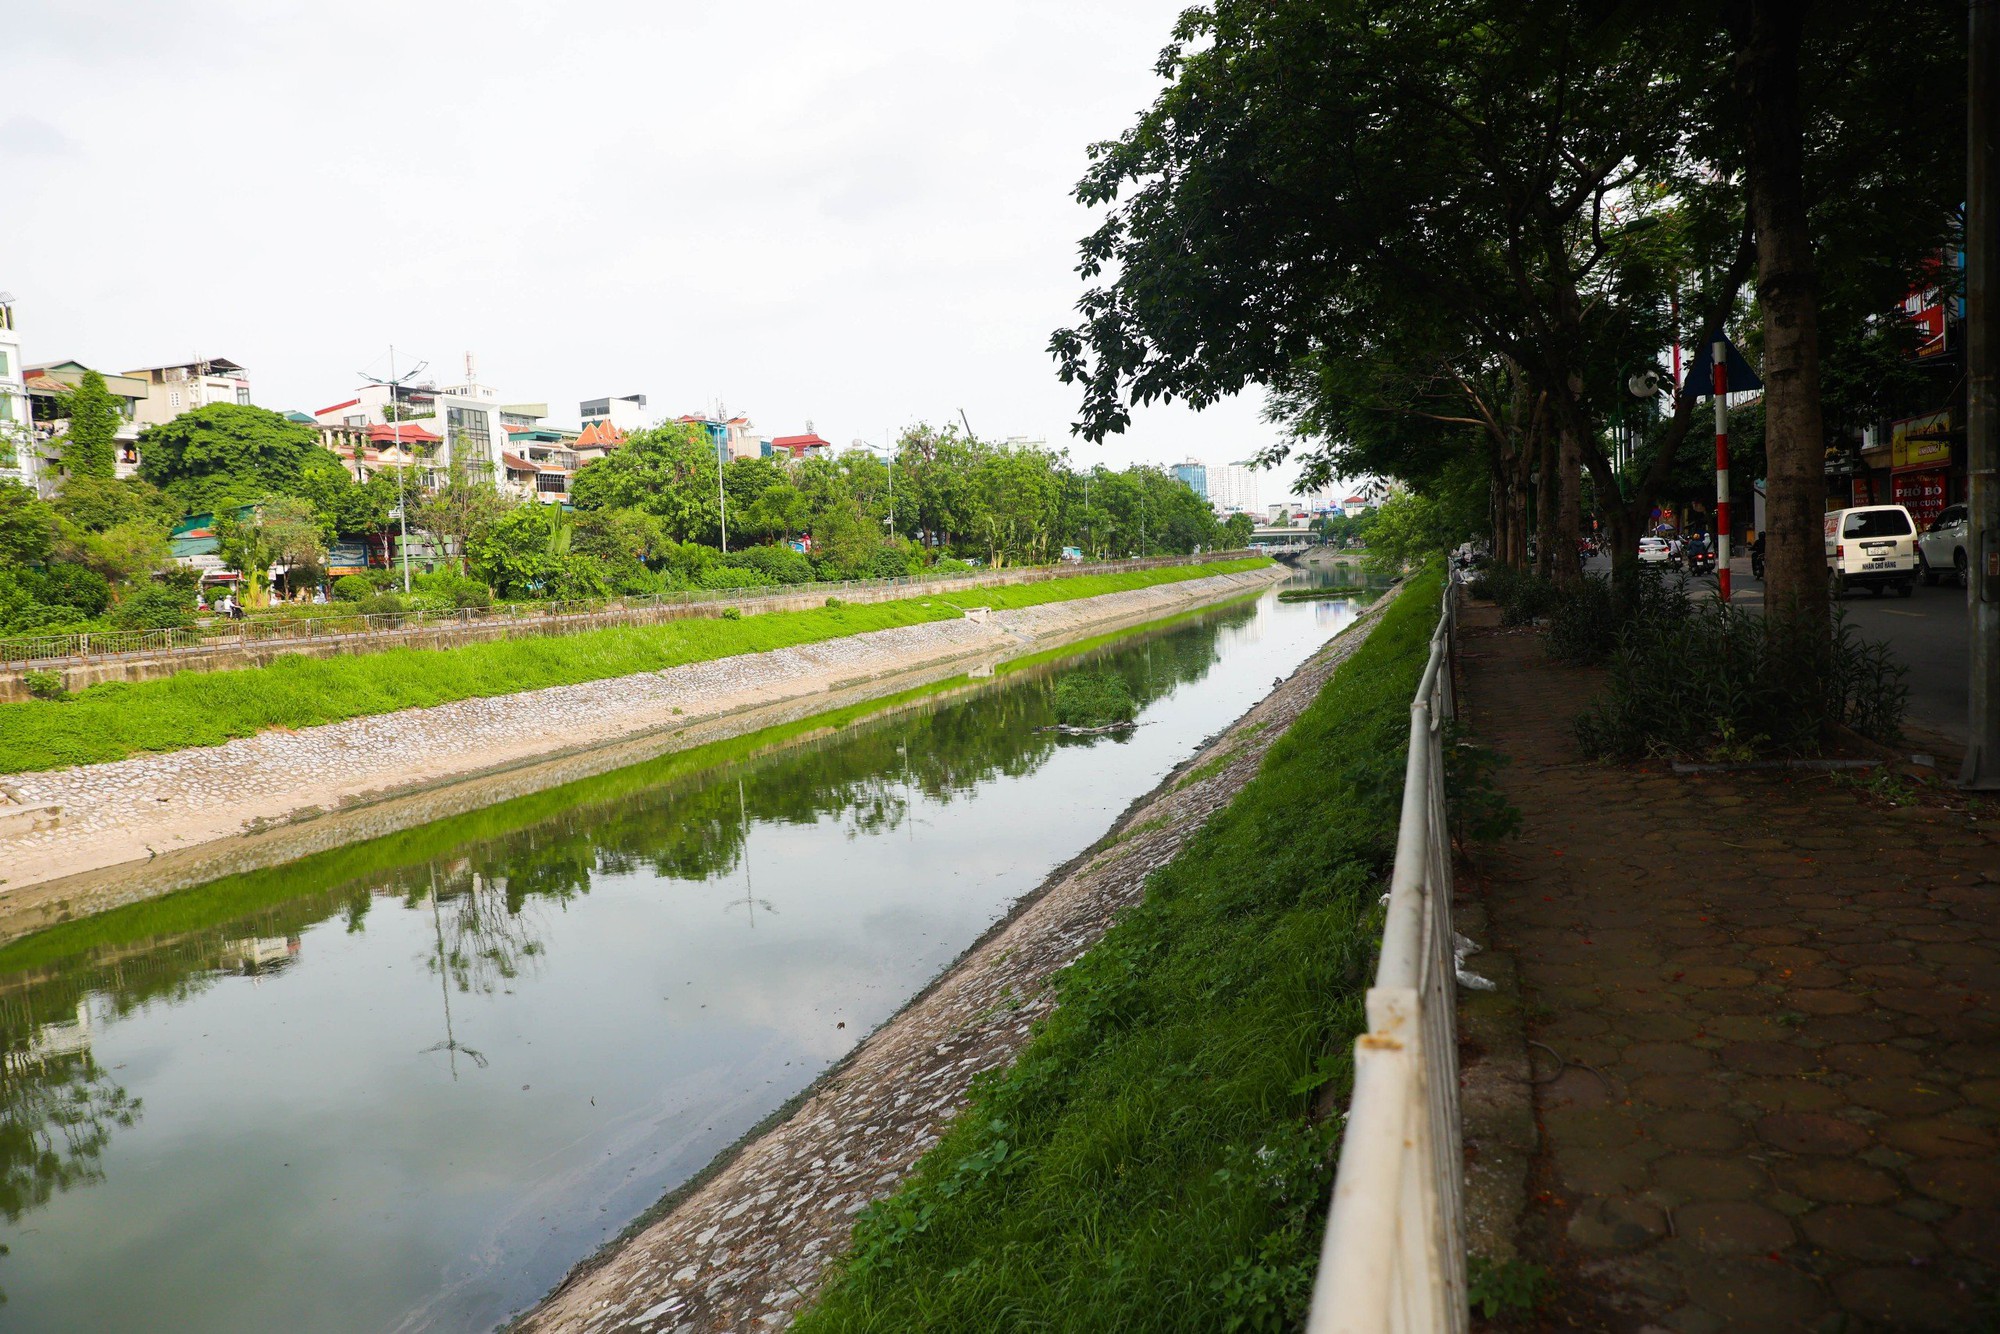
[(136, 809), (745, 1250)]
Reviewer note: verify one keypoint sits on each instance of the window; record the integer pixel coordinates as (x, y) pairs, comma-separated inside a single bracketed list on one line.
[(3, 361), (1950, 515), (357, 420), (1876, 523), (469, 433), (243, 394), (174, 399)]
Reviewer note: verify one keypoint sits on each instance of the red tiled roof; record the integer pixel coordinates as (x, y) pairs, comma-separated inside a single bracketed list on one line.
[(410, 434), (599, 435), (811, 440), (518, 464)]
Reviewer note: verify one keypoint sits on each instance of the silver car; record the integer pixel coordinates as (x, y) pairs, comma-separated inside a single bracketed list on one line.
[(1941, 548)]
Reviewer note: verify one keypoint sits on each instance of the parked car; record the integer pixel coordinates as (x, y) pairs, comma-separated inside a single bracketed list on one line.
[(1874, 546), (1941, 547), (1654, 551)]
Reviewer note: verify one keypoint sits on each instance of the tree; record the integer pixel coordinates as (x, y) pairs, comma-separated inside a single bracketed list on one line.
[(90, 446), (93, 504), (461, 505), (27, 526), (668, 471), (1237, 529), (278, 530), (229, 454)]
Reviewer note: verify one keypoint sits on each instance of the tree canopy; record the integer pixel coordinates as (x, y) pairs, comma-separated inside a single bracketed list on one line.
[(230, 454)]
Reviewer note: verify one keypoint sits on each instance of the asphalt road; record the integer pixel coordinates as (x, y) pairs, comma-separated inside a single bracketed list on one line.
[(1929, 631)]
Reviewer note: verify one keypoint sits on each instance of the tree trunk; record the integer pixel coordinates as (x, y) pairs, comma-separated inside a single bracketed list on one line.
[(1767, 80), (1569, 506), (1548, 503)]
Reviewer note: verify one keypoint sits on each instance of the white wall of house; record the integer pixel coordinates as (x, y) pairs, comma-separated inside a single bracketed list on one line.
[(19, 462), (178, 389)]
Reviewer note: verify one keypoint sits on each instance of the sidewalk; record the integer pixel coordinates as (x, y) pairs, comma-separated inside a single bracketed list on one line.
[(1763, 1017)]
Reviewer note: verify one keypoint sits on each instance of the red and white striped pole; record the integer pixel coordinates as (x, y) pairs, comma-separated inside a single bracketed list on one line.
[(1722, 466)]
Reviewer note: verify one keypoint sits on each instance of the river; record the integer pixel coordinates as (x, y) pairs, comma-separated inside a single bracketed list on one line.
[(408, 1084)]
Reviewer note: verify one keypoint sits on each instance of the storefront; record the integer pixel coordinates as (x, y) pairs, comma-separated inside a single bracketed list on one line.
[(1920, 476)]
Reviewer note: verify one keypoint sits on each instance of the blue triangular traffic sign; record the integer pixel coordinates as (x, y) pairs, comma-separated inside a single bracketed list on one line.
[(1700, 381)]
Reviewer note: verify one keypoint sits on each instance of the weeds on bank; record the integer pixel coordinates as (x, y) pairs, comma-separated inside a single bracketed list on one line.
[(1507, 1288), (1152, 1160), (117, 719)]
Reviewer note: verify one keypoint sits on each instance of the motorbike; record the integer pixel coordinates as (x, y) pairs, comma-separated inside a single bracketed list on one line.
[(1700, 558), (1757, 562)]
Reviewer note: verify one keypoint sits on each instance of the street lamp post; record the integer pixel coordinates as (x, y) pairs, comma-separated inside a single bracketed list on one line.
[(395, 414)]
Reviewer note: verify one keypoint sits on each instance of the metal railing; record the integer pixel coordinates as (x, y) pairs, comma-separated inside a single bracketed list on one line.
[(1393, 1259), (334, 622)]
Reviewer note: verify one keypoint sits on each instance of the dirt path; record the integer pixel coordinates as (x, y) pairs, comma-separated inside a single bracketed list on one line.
[(154, 823), (745, 1248), (1764, 1020)]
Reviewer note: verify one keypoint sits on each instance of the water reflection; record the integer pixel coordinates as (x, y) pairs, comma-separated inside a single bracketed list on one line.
[(664, 954)]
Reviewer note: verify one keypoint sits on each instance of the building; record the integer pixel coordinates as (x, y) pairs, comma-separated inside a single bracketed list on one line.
[(1232, 488), (49, 385), (366, 450), (466, 419), (188, 385), (809, 445), (1192, 475), (626, 413), (595, 441), (19, 461)]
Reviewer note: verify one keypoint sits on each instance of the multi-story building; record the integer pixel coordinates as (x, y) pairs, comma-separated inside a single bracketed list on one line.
[(1232, 487), (49, 385), (188, 385), (464, 419), (626, 412), (809, 445), (595, 441), (19, 461), (1192, 475)]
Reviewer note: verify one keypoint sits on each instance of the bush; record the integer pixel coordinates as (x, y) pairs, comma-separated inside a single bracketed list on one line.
[(895, 561), (778, 565), (950, 565), (835, 602), (154, 607), (45, 685), (1708, 680), (1091, 699), (83, 591), (732, 576), (379, 604), (732, 613), (352, 588)]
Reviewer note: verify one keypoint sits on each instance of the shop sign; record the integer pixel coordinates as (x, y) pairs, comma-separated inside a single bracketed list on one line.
[(1861, 493), (1921, 493), (1920, 442)]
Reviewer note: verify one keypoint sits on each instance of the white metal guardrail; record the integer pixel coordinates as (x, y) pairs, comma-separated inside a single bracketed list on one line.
[(1393, 1259), (333, 621)]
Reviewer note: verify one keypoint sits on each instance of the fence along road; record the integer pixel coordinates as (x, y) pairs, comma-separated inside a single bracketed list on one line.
[(379, 630), (1393, 1259)]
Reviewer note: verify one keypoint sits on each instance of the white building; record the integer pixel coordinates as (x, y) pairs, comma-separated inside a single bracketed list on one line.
[(467, 425), (627, 413), (185, 386), (18, 460), (1232, 487)]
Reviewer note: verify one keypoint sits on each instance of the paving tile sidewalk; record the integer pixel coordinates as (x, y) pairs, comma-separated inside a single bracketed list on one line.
[(1763, 1012)]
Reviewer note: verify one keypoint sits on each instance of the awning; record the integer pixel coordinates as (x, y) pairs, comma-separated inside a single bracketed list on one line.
[(411, 434)]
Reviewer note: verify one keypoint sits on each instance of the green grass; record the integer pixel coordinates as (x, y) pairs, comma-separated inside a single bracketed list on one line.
[(1153, 1160), (117, 719)]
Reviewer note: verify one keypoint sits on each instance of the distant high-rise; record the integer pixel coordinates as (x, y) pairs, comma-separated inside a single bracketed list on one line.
[(1232, 487), (1194, 476)]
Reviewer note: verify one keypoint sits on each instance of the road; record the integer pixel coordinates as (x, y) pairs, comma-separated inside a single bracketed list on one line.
[(1928, 630)]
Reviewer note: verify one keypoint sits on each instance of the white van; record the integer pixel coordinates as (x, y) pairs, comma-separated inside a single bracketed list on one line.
[(1871, 547)]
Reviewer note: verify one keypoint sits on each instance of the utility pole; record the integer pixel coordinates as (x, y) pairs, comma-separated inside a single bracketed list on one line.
[(1982, 401), (395, 414)]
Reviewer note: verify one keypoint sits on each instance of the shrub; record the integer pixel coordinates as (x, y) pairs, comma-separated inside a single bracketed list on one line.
[(379, 604), (950, 565), (778, 565), (732, 613), (154, 607), (835, 602), (1706, 679), (352, 588), (83, 591), (45, 685), (1092, 699), (733, 576)]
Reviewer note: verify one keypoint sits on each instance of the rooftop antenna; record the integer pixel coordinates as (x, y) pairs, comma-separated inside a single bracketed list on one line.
[(395, 383)]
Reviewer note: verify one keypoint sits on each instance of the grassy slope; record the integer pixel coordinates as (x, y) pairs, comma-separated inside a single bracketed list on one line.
[(1151, 1161), (112, 721)]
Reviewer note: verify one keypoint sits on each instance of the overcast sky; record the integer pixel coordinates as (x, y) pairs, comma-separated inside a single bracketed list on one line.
[(854, 215)]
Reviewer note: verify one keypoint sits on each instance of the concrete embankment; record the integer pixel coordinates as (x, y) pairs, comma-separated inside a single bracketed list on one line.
[(745, 1247), (145, 826)]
